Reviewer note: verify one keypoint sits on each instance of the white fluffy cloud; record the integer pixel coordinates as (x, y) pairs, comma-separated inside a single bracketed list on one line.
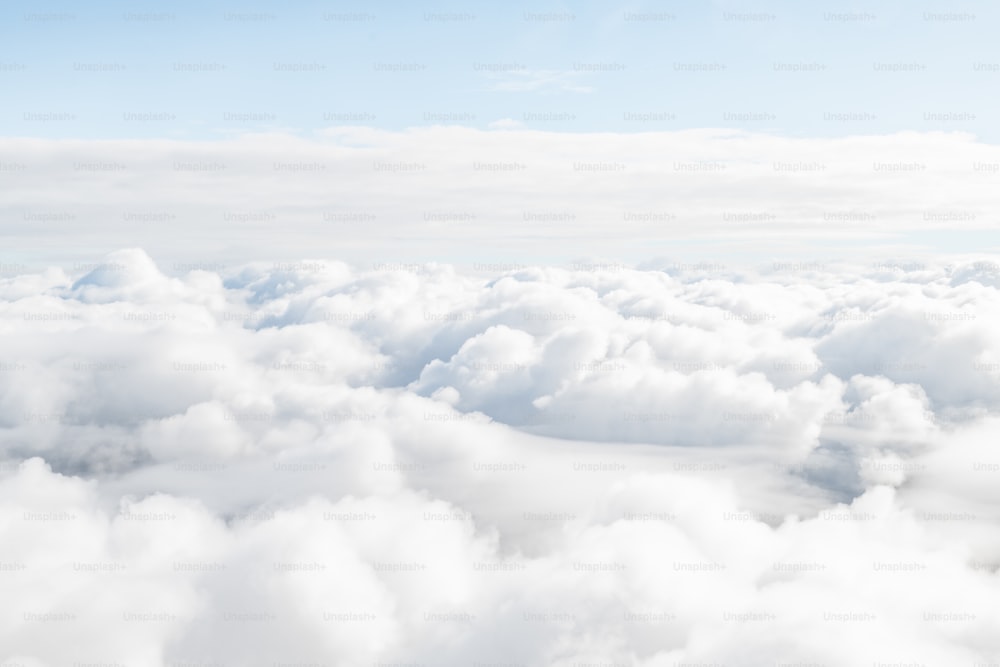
[(312, 463)]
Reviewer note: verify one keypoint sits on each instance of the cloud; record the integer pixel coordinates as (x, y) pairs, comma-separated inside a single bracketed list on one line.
[(506, 124), (470, 196), (309, 462), (539, 81)]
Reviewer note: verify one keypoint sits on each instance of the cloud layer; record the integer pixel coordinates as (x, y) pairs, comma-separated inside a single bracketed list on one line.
[(309, 462), (462, 195)]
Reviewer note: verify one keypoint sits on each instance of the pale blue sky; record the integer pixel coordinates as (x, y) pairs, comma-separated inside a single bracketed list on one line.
[(49, 52)]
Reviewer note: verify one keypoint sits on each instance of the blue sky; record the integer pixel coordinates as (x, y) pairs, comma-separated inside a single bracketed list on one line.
[(573, 66)]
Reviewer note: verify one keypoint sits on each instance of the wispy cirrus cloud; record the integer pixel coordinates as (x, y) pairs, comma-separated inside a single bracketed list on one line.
[(544, 81)]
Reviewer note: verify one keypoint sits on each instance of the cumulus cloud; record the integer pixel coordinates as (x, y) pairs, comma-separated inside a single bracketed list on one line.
[(310, 462)]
